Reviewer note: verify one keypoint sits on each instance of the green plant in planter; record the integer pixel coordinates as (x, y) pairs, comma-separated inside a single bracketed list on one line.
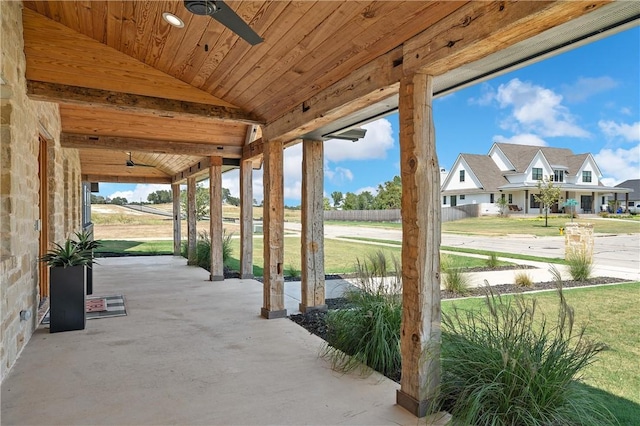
[(69, 254), (86, 242)]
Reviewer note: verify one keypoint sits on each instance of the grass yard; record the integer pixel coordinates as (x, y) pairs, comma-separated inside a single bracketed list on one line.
[(491, 225), (133, 248), (611, 315)]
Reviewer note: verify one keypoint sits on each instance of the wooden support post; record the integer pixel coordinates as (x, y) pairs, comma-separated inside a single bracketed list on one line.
[(177, 219), (191, 221), (215, 218), (312, 238), (420, 333), (246, 210), (273, 212)]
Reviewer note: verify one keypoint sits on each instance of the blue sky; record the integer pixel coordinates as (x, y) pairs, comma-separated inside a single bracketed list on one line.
[(587, 100)]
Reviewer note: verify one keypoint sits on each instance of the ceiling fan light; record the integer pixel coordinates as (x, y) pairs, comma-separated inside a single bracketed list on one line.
[(173, 20), (201, 7)]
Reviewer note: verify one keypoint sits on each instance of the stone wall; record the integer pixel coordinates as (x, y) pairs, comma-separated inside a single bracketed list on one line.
[(579, 240), (22, 122)]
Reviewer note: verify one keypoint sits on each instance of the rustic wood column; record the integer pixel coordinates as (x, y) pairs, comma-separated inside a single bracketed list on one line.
[(246, 210), (273, 212), (177, 219), (420, 333), (191, 221), (312, 238), (215, 218)]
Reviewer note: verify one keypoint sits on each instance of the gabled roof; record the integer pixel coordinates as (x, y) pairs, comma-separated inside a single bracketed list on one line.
[(486, 171), (631, 184), (522, 155)]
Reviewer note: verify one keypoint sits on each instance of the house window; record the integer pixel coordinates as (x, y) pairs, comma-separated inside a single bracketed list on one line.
[(462, 197), (510, 198), (602, 201), (586, 176), (536, 173), (558, 175), (534, 204), (444, 200), (491, 199), (461, 175)]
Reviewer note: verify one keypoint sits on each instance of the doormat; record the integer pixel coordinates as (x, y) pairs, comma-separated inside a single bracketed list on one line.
[(101, 307)]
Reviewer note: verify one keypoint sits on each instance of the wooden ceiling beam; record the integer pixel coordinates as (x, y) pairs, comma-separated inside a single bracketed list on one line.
[(474, 30), (124, 179), (197, 169), (78, 141), (371, 83), (252, 149), (137, 104)]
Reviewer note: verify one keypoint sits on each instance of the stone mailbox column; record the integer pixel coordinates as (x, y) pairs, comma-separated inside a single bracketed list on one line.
[(578, 240)]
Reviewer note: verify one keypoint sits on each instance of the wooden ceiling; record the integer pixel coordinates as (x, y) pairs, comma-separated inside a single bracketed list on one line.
[(128, 81)]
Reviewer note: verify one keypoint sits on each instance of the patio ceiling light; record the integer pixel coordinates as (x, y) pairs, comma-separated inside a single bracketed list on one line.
[(173, 20)]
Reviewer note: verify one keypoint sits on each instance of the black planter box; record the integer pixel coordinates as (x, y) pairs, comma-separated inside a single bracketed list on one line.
[(67, 298)]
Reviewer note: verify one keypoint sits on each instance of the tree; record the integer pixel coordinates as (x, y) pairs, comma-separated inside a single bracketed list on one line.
[(337, 198), (390, 194), (366, 201), (503, 205), (202, 201), (350, 201), (119, 201), (326, 204), (549, 194), (160, 197), (97, 199)]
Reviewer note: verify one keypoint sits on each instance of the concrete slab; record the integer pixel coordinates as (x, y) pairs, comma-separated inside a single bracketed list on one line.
[(190, 351)]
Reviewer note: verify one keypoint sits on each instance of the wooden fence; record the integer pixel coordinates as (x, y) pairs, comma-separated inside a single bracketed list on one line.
[(393, 215)]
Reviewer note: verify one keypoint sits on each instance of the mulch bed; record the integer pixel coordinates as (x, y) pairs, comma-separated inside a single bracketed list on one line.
[(314, 322)]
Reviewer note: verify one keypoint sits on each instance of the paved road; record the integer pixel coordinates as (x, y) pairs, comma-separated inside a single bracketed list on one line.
[(614, 252)]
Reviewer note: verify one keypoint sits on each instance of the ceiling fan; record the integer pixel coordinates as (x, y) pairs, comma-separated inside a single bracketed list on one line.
[(218, 10), (130, 163)]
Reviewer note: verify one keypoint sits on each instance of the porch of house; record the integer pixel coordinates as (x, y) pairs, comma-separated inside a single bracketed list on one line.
[(189, 351)]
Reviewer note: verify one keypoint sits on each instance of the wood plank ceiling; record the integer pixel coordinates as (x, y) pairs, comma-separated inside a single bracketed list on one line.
[(127, 81)]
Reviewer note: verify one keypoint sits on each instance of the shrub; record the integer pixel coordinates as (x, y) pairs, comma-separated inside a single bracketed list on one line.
[(580, 266), (453, 279), (492, 260), (368, 333), (523, 279), (292, 271), (203, 249), (508, 365)]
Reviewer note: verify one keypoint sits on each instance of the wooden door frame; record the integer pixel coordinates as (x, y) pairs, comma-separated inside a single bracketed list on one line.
[(43, 176)]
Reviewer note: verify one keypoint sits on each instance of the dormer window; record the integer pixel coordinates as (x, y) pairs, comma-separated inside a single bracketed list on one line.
[(536, 173), (558, 175), (586, 176), (461, 175)]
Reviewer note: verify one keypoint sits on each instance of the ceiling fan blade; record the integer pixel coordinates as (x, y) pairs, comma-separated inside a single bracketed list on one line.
[(230, 19)]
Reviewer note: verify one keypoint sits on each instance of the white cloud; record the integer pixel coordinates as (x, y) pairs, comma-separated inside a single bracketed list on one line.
[(140, 192), (538, 110), (625, 111), (487, 96), (586, 87), (375, 144), (628, 132), (521, 139), (371, 189), (339, 175), (231, 181), (618, 165)]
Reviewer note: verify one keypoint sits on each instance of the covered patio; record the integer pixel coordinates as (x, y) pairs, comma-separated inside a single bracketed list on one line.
[(188, 352), (110, 91)]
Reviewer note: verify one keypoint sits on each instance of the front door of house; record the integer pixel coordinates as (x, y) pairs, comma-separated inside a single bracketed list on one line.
[(586, 201)]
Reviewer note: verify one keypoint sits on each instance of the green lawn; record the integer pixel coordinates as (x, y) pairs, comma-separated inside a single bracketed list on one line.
[(492, 225), (131, 248), (611, 315)]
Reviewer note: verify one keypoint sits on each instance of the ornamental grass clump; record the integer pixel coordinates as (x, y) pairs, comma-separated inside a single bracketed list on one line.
[(580, 266), (453, 279), (367, 334), (492, 260), (203, 249), (509, 365)]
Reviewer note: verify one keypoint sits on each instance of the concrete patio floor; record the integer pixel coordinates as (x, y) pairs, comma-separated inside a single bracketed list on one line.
[(190, 351)]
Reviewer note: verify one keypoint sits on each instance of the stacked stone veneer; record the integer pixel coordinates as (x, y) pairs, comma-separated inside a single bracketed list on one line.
[(21, 123), (578, 240)]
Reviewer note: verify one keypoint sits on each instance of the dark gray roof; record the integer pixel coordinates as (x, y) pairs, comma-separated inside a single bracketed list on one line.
[(521, 155), (631, 184), (486, 171)]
